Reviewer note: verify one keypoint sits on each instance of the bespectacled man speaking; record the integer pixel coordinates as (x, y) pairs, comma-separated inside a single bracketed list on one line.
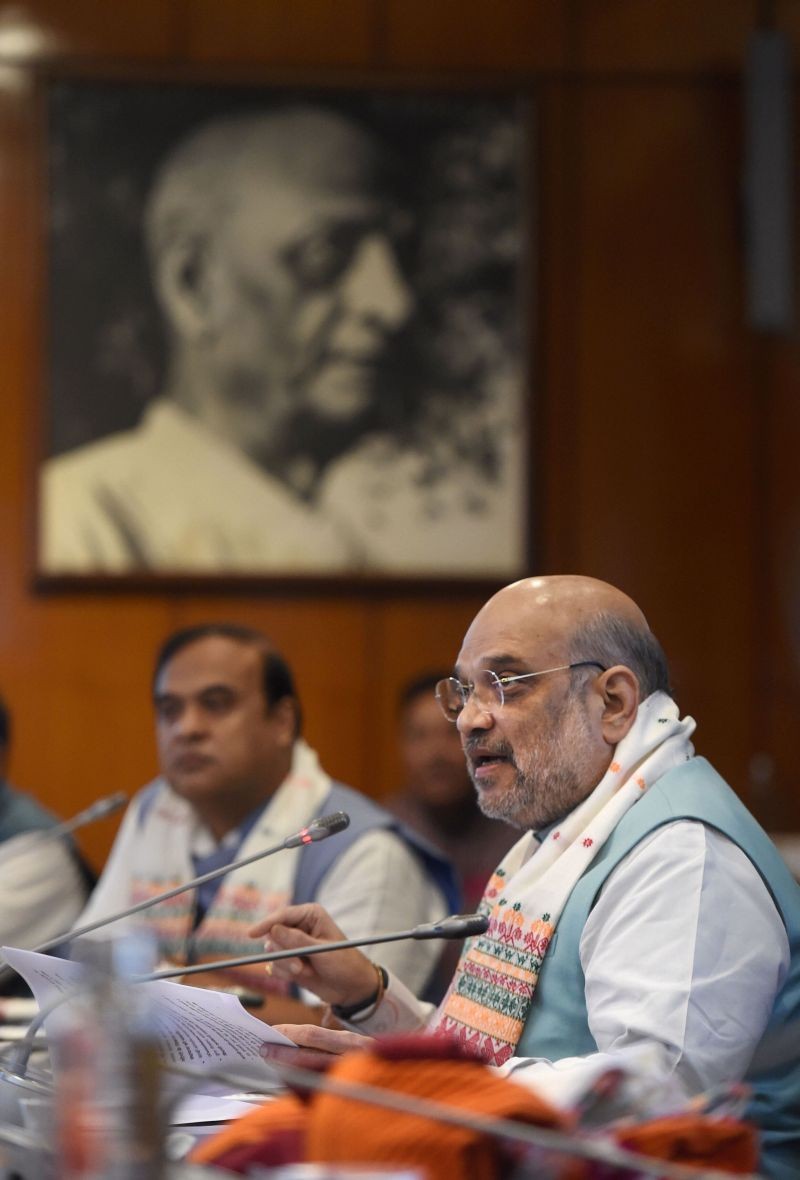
[(678, 925)]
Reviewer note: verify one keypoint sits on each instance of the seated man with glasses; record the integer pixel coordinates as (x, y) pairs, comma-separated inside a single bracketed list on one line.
[(643, 919)]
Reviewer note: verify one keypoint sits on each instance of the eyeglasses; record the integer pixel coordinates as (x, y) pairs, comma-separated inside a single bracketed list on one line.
[(489, 689)]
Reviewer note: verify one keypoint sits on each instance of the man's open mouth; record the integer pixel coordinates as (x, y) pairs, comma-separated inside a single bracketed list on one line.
[(484, 762)]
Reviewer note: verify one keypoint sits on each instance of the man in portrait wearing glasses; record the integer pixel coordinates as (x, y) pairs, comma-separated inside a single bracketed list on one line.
[(642, 920), (237, 777), (272, 254)]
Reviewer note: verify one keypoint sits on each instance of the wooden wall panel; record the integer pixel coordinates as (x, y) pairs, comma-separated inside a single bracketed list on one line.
[(506, 35), (558, 161), (305, 33), (664, 457), (775, 772), (407, 637), (665, 435), (51, 29), (662, 35)]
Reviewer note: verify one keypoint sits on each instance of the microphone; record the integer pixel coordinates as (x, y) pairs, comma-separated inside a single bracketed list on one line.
[(318, 829), (97, 810), (457, 926)]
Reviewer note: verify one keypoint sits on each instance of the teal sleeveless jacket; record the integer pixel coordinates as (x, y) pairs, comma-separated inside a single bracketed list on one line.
[(20, 813), (557, 1024)]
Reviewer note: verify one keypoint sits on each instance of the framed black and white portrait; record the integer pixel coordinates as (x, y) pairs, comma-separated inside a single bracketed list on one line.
[(286, 334)]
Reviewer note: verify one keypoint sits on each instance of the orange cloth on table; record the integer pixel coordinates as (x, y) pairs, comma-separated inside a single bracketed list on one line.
[(280, 1123), (341, 1131), (722, 1143), (326, 1128)]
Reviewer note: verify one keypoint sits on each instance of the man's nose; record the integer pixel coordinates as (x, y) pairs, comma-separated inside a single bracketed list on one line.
[(191, 721), (473, 716), (374, 286)]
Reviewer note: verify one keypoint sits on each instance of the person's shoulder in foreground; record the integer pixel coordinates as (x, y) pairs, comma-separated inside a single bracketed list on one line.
[(236, 778), (678, 927), (43, 884)]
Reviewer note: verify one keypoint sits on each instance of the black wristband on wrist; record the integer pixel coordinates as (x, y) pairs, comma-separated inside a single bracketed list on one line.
[(368, 1006)]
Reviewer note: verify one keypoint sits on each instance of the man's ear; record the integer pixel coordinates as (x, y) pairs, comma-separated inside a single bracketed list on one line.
[(620, 693), (185, 285), (284, 715)]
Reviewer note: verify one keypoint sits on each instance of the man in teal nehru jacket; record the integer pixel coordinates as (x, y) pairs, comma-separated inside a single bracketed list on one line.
[(643, 919)]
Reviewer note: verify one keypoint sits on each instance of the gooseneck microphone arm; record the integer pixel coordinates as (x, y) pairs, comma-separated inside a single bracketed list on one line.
[(32, 840), (318, 829), (459, 926), (98, 810)]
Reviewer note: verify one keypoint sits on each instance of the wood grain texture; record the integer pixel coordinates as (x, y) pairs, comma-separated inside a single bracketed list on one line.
[(53, 30), (449, 34), (663, 35), (306, 33)]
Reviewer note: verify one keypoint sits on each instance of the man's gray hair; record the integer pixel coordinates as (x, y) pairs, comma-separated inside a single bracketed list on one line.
[(611, 640)]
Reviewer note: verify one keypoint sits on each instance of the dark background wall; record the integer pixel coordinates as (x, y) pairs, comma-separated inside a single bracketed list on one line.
[(667, 431)]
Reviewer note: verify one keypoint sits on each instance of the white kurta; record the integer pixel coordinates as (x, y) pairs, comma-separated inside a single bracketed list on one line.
[(41, 889)]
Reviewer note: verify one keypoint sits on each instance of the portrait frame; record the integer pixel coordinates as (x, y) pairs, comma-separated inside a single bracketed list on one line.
[(437, 489)]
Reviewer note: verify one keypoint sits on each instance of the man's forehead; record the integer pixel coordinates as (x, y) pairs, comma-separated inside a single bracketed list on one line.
[(214, 659), (512, 633), (313, 149), (276, 214)]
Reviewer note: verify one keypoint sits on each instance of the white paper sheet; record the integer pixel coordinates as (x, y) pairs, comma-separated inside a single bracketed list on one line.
[(218, 1106), (197, 1028)]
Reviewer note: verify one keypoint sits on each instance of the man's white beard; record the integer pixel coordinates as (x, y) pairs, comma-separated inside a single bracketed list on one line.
[(552, 776)]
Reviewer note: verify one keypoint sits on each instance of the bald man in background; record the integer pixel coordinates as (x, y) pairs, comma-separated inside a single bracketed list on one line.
[(643, 922), (272, 258)]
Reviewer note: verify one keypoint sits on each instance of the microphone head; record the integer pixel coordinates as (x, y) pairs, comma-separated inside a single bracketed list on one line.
[(319, 829), (328, 825), (457, 926), (106, 806)]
